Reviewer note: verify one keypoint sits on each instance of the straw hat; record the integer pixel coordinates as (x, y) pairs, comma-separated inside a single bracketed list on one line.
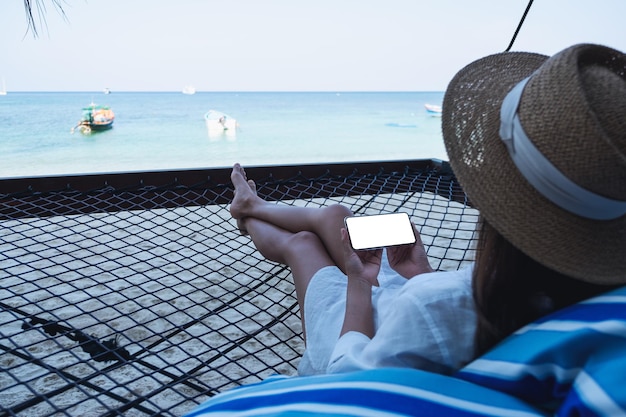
[(555, 186)]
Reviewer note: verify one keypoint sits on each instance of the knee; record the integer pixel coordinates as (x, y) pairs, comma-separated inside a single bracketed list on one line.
[(338, 211), (304, 241)]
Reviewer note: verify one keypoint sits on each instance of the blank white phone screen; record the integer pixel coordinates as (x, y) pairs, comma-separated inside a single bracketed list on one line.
[(378, 231)]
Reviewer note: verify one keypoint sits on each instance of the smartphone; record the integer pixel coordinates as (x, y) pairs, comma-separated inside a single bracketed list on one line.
[(379, 230)]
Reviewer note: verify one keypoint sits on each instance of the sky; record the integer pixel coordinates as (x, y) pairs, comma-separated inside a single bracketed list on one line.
[(284, 45)]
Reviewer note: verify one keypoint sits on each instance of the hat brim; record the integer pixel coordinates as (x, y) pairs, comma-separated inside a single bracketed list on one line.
[(584, 249)]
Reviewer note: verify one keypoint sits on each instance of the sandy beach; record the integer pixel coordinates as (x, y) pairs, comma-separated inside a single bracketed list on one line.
[(190, 301)]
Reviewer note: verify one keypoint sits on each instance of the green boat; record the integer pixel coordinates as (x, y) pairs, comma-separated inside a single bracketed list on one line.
[(95, 118)]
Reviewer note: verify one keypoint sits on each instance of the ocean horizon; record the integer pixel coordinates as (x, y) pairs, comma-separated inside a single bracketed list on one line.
[(166, 130)]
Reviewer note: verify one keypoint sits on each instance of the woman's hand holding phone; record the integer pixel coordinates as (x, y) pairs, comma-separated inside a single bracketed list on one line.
[(409, 260), (395, 232)]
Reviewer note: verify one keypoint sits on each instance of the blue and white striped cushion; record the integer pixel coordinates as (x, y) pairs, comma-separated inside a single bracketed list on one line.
[(572, 362), (379, 392)]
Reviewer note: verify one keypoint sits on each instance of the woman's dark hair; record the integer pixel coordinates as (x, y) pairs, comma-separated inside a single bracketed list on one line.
[(511, 289)]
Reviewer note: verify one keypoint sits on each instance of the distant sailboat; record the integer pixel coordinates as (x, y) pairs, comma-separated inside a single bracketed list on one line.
[(3, 92)]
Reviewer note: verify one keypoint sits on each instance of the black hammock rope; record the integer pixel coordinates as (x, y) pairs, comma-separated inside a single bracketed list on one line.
[(519, 26)]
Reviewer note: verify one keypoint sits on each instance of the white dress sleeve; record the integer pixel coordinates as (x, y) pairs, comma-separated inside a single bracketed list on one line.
[(429, 326)]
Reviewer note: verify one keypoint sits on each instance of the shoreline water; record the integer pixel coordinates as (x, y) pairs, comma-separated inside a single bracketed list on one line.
[(164, 131)]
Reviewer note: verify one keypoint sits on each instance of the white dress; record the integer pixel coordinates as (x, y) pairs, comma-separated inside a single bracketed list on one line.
[(427, 322)]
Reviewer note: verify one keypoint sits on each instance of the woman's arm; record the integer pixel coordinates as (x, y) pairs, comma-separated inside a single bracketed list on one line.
[(359, 315), (362, 269)]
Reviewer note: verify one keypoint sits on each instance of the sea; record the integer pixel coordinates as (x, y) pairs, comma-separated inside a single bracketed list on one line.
[(155, 131)]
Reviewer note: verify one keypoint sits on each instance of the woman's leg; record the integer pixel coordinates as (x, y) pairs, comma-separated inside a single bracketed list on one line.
[(325, 222), (303, 252)]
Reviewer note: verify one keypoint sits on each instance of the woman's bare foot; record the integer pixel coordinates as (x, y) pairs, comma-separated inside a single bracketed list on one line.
[(245, 197)]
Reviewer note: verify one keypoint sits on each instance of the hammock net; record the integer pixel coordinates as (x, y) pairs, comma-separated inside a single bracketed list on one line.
[(135, 294)]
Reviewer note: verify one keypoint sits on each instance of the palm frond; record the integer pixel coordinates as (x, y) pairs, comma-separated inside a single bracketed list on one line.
[(36, 11)]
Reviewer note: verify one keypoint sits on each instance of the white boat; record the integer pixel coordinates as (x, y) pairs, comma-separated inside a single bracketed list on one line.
[(106, 90), (219, 124), (3, 91), (189, 89), (433, 109)]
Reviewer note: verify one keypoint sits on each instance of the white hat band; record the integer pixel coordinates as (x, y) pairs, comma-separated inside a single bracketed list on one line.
[(544, 176)]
